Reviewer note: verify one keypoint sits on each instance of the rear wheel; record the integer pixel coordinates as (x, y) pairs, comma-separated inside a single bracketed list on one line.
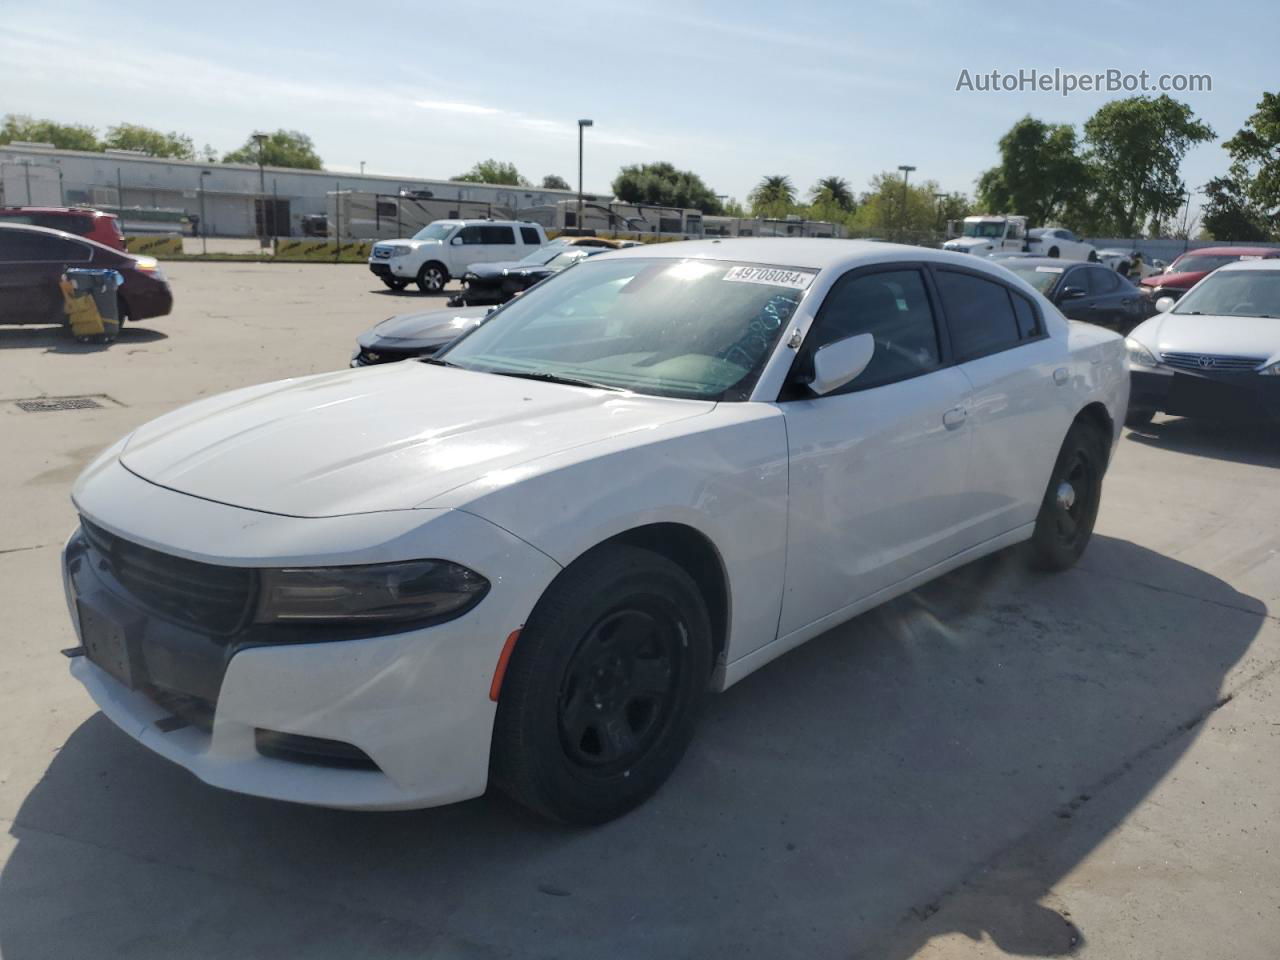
[(395, 283), (603, 687), (432, 277), (1053, 252), (1070, 505), (1093, 256)]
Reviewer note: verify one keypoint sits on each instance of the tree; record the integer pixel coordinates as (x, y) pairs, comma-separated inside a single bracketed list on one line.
[(552, 182), (883, 210), (1136, 146), (1252, 187), (131, 136), (1040, 172), (833, 191), (64, 136), (1229, 214), (284, 148), (493, 171), (661, 184), (774, 196)]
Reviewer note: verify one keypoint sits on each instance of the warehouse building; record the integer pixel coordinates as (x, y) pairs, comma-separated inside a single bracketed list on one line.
[(158, 195)]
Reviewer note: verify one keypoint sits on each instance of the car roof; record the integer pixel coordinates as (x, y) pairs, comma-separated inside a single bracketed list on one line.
[(1234, 251), (1270, 263), (809, 253), (56, 210)]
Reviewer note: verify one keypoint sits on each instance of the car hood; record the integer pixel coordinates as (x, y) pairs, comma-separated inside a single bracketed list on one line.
[(1224, 336), (429, 326), (1183, 281), (383, 438)]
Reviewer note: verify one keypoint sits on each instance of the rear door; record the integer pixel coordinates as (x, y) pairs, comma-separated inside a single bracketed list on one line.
[(1115, 300), (1018, 408), (878, 469)]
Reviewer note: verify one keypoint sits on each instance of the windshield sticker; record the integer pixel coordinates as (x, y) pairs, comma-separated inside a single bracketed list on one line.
[(793, 279), (1050, 269), (1250, 256)]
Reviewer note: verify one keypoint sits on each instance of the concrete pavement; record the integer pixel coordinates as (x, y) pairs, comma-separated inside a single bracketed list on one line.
[(1003, 763)]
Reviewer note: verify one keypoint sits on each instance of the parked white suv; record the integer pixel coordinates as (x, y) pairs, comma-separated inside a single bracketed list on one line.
[(445, 248)]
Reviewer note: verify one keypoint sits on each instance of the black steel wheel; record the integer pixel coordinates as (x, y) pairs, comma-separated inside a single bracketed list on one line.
[(603, 687), (1070, 506)]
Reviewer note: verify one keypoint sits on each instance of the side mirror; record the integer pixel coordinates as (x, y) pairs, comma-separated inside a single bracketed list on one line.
[(1070, 293), (835, 364), (456, 241), (1164, 304)]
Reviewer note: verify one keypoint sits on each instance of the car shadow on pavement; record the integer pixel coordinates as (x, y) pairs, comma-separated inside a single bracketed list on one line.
[(411, 293), (58, 340), (1257, 444), (854, 798)]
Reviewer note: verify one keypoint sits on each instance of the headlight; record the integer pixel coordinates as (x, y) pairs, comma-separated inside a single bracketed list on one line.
[(1271, 370), (388, 592), (1138, 354)]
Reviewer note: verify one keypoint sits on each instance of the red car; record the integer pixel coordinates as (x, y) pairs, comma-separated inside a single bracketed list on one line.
[(1194, 265), (32, 260), (101, 227)]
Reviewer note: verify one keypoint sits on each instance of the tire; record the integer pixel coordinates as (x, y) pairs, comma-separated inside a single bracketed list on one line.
[(624, 628), (122, 309), (1138, 418), (1065, 522), (1053, 252), (1093, 256), (432, 277), (395, 283)]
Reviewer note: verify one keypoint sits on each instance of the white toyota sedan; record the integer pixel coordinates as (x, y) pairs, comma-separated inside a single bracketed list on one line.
[(527, 560)]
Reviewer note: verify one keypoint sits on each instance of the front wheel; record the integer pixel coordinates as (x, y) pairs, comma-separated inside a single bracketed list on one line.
[(1093, 256), (432, 277), (603, 688), (1070, 505), (395, 283)]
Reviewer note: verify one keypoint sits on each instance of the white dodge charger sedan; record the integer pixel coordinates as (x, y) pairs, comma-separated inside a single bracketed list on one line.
[(527, 560)]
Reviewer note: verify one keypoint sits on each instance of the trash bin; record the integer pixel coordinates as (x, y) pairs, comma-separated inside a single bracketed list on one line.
[(92, 303)]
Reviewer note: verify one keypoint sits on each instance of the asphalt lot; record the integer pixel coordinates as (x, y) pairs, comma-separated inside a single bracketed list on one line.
[(1003, 763)]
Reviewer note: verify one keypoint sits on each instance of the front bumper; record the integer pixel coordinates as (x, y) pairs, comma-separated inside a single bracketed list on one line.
[(1219, 396), (415, 703)]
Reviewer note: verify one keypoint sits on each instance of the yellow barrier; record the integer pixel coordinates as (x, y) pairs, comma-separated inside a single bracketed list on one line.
[(350, 250), (151, 245)]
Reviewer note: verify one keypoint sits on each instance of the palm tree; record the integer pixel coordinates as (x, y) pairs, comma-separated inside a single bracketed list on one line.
[(773, 197), (833, 190)]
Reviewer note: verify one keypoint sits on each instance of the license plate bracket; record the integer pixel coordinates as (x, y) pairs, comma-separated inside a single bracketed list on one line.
[(105, 643)]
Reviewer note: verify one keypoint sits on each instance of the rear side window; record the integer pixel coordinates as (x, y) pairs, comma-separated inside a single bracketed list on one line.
[(980, 314), (530, 236), (1028, 317), (503, 235), (894, 308)]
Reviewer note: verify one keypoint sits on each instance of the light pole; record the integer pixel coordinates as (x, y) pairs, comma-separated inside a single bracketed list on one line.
[(204, 224), (261, 140), (906, 169), (939, 197), (362, 168), (582, 124)]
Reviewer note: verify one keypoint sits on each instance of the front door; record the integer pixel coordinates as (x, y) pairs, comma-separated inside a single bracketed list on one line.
[(879, 468)]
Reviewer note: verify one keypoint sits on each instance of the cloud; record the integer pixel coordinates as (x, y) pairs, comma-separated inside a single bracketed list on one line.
[(449, 107)]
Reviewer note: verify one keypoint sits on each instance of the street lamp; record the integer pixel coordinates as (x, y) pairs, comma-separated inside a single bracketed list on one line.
[(204, 224), (261, 140), (906, 169), (362, 168), (939, 197), (582, 124)]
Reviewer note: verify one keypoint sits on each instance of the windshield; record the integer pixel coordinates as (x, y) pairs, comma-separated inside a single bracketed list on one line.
[(1235, 293), (984, 229), (1202, 263), (1041, 277), (697, 329), (434, 231)]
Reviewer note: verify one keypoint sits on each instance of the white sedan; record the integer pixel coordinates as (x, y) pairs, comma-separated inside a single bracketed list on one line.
[(526, 561), (1059, 242), (1215, 353)]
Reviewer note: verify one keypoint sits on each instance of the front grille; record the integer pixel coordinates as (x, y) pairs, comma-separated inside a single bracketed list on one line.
[(1211, 362), (368, 357), (205, 595)]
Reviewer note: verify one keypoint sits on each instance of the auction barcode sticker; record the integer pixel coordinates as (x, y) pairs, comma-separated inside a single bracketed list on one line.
[(795, 279)]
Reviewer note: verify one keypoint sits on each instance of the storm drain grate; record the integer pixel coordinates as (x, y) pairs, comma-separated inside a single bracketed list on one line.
[(49, 404)]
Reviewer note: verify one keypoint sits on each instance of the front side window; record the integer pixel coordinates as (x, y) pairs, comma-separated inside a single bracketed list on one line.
[(979, 314), (470, 235), (892, 306), (696, 329)]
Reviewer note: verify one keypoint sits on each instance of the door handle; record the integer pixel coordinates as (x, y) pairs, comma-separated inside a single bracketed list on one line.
[(1061, 376), (954, 417)]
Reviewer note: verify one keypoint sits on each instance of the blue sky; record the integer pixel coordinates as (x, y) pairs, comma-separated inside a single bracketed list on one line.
[(732, 90)]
